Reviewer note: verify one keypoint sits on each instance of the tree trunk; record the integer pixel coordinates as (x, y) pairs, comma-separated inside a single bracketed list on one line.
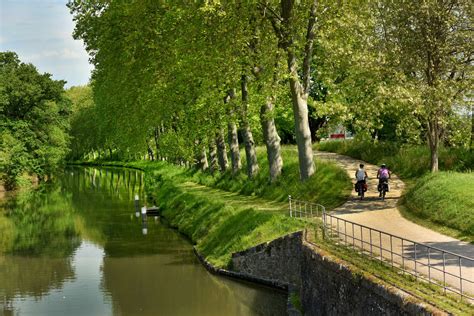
[(202, 162), (212, 157), (472, 127), (157, 145), (300, 114), (272, 139), (250, 152), (221, 151), (433, 141), (299, 92), (232, 135), (150, 153)]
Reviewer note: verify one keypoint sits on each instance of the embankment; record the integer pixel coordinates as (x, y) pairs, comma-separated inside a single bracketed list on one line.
[(251, 238)]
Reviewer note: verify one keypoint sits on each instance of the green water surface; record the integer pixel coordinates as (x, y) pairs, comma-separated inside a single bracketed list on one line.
[(76, 247)]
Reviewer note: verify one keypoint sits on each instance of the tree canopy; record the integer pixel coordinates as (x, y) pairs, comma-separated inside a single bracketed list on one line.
[(33, 121), (188, 82)]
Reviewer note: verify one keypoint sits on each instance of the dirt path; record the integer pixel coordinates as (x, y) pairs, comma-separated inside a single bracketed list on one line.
[(384, 216)]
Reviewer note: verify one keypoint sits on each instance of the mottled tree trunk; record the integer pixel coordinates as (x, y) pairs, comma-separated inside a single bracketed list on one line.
[(271, 138), (202, 162), (299, 90), (212, 157), (472, 127), (302, 132), (232, 134), (150, 151), (250, 152), (157, 144), (433, 141), (221, 151)]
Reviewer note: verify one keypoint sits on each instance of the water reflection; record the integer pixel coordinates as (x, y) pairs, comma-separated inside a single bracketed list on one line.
[(78, 247)]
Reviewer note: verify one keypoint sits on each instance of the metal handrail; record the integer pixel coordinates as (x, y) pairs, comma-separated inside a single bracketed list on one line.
[(305, 209), (405, 259), (299, 209)]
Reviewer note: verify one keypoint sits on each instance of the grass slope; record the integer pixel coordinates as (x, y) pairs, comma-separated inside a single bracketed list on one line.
[(329, 186), (445, 198)]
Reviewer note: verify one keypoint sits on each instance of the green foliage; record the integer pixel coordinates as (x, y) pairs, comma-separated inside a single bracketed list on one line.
[(445, 198), (407, 161), (33, 121)]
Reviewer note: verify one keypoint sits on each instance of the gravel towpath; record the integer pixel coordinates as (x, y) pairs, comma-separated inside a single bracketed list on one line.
[(384, 216)]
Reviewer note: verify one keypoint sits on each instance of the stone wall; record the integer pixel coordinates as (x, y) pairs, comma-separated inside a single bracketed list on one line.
[(330, 287), (327, 285), (278, 260)]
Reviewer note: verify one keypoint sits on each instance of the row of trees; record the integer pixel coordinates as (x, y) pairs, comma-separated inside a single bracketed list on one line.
[(187, 81), (34, 122)]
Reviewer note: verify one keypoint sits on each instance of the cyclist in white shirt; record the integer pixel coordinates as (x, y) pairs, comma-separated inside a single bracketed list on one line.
[(361, 176)]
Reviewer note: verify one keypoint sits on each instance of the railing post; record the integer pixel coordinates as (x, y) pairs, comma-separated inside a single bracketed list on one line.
[(324, 225), (380, 243), (403, 255), (353, 237), (416, 273), (289, 200), (429, 264), (460, 276), (444, 272), (391, 250), (370, 239)]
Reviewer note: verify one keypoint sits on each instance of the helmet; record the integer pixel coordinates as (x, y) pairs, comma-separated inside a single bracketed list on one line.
[(383, 166)]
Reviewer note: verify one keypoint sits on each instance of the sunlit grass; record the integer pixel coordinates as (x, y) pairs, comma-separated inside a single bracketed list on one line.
[(445, 198), (329, 186)]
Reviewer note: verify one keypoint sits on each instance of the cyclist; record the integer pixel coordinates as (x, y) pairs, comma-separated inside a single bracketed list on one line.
[(383, 174), (361, 177)]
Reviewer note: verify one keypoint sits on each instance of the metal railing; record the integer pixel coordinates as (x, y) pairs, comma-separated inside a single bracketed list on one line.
[(305, 209), (453, 272)]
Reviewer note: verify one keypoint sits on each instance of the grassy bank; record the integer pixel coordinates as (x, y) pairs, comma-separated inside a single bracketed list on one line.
[(329, 186), (445, 198)]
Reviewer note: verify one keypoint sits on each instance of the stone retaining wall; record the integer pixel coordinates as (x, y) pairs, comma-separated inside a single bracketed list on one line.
[(330, 287), (278, 260), (327, 285)]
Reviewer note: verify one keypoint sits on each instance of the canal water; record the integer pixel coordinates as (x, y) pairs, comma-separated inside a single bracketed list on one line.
[(76, 247)]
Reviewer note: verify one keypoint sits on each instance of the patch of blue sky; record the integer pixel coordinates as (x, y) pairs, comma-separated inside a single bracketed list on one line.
[(40, 32)]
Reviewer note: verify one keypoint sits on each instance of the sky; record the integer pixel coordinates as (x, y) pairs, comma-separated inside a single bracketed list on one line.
[(40, 32)]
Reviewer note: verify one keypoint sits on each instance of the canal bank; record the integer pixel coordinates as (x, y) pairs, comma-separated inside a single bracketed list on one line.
[(217, 221)]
